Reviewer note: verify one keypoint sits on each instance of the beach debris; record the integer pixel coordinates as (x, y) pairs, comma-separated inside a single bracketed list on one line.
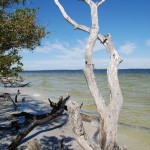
[(36, 120), (16, 97), (23, 99), (13, 124), (62, 144), (84, 116), (7, 96), (13, 81)]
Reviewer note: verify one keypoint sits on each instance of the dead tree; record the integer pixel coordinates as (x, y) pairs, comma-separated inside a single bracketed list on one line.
[(36, 120), (108, 114), (13, 81), (8, 97)]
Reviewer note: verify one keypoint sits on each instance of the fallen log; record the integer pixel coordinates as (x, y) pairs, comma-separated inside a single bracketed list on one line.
[(7, 96), (50, 116), (84, 116), (13, 124), (17, 84), (23, 85)]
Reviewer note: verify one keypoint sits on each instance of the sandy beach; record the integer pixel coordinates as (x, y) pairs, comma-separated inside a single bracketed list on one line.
[(49, 135)]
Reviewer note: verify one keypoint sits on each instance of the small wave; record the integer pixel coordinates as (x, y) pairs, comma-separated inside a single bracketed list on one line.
[(135, 126)]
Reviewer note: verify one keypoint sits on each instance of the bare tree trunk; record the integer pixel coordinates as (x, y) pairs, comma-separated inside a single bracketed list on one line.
[(78, 128), (109, 127), (108, 114)]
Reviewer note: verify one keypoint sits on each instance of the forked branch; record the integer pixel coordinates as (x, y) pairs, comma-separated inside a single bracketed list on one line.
[(101, 2)]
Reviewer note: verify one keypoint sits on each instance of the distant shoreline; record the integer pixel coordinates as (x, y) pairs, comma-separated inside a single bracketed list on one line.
[(95, 70)]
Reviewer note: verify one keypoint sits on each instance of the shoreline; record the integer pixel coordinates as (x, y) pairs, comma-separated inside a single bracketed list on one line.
[(60, 128)]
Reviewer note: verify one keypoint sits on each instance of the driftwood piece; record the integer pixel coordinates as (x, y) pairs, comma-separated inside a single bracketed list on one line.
[(48, 117), (16, 97), (62, 145), (84, 116), (78, 128), (13, 124), (13, 81), (56, 105), (23, 85), (17, 84), (7, 96)]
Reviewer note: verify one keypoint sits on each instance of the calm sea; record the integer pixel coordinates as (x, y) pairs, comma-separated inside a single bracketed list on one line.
[(134, 121)]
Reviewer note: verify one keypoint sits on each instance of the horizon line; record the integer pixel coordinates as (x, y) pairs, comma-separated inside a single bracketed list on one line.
[(83, 69)]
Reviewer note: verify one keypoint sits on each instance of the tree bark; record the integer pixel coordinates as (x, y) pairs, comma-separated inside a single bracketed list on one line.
[(78, 128), (108, 114)]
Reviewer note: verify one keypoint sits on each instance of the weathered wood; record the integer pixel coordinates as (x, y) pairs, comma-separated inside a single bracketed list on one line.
[(62, 146), (13, 124), (12, 81), (16, 97), (54, 113), (108, 114), (84, 116), (78, 128), (7, 96)]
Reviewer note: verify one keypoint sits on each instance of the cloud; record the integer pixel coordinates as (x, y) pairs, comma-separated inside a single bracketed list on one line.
[(64, 55), (53, 64), (75, 49), (147, 43), (57, 64), (128, 48), (135, 63), (60, 55)]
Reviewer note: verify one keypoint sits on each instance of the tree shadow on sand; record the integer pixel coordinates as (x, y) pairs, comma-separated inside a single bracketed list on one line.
[(49, 142), (29, 105), (53, 143)]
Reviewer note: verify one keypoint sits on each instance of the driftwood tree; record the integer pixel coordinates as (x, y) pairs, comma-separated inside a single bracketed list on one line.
[(108, 114)]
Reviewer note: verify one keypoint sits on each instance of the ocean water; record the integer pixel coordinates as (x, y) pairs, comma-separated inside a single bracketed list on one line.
[(134, 120)]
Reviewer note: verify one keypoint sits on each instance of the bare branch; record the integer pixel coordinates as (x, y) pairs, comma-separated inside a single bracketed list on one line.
[(101, 2), (74, 23), (70, 20), (49, 116), (108, 115), (116, 98)]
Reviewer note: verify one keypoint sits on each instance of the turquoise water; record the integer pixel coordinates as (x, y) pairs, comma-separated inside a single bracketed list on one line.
[(134, 121)]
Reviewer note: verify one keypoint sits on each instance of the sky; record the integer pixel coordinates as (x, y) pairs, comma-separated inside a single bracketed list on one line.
[(128, 21)]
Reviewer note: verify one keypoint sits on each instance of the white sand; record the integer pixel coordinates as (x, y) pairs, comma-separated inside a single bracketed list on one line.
[(50, 134)]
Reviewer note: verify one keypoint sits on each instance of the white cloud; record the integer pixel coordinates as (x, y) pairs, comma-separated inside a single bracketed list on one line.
[(135, 63), (57, 64), (54, 64), (71, 56), (67, 50), (128, 48), (147, 43), (67, 56)]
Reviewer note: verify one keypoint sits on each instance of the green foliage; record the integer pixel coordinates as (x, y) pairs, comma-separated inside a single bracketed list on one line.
[(7, 3), (10, 63), (19, 29)]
